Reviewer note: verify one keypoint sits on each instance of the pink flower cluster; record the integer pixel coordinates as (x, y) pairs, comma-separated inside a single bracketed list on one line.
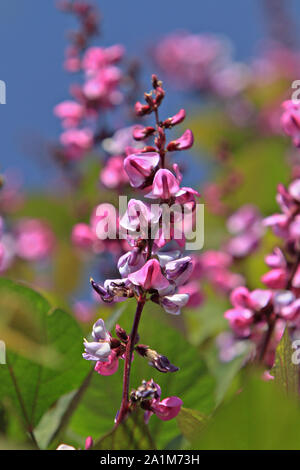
[(262, 315), (99, 92), (201, 62), (155, 268), (86, 236), (246, 227), (30, 240)]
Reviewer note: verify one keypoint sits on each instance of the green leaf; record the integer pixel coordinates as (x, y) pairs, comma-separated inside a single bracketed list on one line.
[(263, 166), (31, 385), (260, 417), (190, 422), (132, 434), (285, 372), (191, 383)]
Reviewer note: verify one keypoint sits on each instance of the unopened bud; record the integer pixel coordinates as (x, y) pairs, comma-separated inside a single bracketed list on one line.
[(121, 334), (160, 94), (142, 109), (156, 82), (114, 343), (156, 360)]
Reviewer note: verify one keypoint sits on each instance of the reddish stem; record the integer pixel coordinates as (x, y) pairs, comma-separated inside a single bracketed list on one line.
[(128, 359)]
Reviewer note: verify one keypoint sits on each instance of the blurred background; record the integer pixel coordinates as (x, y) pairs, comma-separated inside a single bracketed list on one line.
[(230, 65), (36, 80)]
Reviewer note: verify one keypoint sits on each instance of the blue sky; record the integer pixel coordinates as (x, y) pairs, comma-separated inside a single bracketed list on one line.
[(32, 42)]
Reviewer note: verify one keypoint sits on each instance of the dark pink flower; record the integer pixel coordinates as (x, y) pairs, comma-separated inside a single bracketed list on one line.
[(176, 119), (276, 278), (83, 236), (113, 174), (240, 320), (77, 142), (167, 409), (149, 276), (109, 367), (290, 121), (34, 239), (70, 112), (184, 142), (165, 185), (139, 167)]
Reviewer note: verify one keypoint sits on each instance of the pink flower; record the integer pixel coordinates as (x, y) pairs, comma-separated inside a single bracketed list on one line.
[(173, 303), (88, 443), (139, 167), (109, 367), (77, 142), (141, 132), (138, 218), (296, 278), (113, 174), (176, 119), (184, 142), (179, 270), (149, 276), (82, 236), (290, 121), (165, 185), (167, 409), (70, 112), (72, 61), (93, 59), (240, 320), (35, 240), (276, 259), (131, 262), (276, 278), (193, 290)]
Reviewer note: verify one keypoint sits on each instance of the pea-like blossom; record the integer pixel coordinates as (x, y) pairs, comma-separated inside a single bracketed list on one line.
[(140, 167), (164, 186), (173, 303), (149, 276)]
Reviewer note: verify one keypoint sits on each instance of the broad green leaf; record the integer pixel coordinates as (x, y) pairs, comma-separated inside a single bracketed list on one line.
[(30, 385), (132, 434), (285, 372), (259, 417), (191, 383), (190, 422)]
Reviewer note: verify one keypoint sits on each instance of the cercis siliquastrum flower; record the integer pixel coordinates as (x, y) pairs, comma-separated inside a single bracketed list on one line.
[(155, 269)]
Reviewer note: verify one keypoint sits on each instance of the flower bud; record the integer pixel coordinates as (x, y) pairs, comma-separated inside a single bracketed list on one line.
[(156, 360), (176, 119), (179, 270), (141, 133), (142, 109), (184, 142), (121, 334), (173, 303)]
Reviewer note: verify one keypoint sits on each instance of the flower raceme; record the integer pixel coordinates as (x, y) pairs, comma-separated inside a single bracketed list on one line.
[(152, 270), (261, 316)]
